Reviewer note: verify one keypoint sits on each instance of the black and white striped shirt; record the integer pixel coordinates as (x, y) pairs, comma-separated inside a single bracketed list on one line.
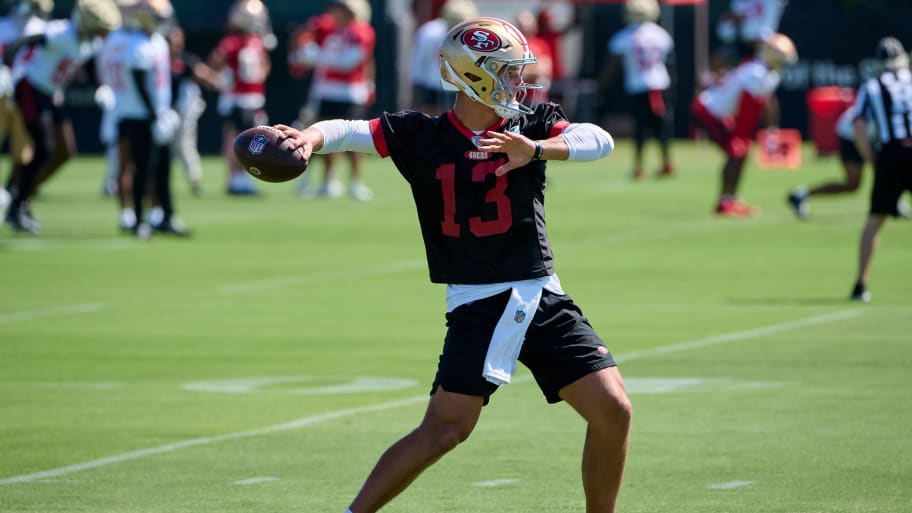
[(885, 102)]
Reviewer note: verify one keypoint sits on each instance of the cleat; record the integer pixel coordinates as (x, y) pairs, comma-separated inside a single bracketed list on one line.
[(637, 174), (860, 293), (333, 189), (172, 227), (20, 221), (667, 171), (360, 192), (736, 208), (141, 231), (799, 204)]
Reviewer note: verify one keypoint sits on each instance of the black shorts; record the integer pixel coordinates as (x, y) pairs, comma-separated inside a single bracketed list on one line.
[(242, 119), (560, 346), (892, 177), (330, 109), (848, 152)]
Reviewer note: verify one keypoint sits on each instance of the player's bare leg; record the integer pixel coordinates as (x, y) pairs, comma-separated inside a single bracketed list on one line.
[(600, 398), (869, 240), (64, 150), (449, 420)]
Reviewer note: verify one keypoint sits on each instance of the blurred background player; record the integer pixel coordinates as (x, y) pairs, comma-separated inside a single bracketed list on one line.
[(540, 72), (59, 53), (189, 73), (428, 95), (26, 18), (852, 166), (743, 27), (731, 110), (135, 64), (642, 48), (885, 103), (242, 57), (343, 87)]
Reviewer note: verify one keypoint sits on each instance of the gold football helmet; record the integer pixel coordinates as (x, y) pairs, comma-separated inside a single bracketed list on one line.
[(146, 15), (778, 50), (248, 16), (641, 11), (485, 58), (96, 16)]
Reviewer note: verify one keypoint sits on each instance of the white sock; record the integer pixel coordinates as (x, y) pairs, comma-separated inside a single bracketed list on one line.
[(156, 216), (127, 217)]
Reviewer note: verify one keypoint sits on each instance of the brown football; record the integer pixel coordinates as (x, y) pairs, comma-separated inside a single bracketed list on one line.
[(261, 152)]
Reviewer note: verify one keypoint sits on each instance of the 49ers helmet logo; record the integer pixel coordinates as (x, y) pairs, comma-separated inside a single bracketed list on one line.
[(481, 39)]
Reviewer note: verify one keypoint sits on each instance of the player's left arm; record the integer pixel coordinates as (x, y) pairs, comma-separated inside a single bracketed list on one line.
[(581, 142)]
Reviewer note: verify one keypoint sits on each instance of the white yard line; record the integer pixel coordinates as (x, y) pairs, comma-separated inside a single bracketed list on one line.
[(333, 415), (29, 315), (738, 336)]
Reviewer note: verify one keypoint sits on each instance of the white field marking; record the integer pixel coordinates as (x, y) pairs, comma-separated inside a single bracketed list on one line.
[(333, 415), (255, 480), (29, 315), (52, 244), (738, 336), (267, 384), (731, 485), (637, 385), (322, 277), (496, 482)]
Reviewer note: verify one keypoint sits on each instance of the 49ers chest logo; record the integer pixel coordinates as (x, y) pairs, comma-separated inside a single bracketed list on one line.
[(482, 40)]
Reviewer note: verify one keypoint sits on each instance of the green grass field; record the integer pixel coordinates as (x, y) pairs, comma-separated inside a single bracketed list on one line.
[(263, 365)]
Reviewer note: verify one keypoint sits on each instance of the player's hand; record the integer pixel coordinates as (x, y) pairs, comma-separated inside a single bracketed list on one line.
[(294, 139), (519, 149)]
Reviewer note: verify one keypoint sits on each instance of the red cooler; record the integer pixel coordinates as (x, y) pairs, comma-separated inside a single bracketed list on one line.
[(825, 104)]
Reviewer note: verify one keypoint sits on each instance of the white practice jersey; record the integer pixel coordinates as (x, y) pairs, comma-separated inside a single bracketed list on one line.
[(759, 18), (752, 77), (425, 59), (126, 51), (53, 65), (644, 48)]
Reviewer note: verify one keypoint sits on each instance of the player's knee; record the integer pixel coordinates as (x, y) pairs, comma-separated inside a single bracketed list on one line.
[(616, 411), (445, 437)]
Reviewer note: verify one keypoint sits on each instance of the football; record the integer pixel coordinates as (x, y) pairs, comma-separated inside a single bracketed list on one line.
[(261, 152)]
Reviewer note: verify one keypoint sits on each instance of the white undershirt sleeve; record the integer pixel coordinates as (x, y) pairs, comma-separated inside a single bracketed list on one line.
[(587, 142), (346, 135)]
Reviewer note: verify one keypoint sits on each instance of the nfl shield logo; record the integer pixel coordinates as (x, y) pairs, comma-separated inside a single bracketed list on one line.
[(258, 144), (520, 316)]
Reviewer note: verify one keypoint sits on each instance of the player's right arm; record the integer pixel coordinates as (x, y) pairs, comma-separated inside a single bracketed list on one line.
[(330, 137)]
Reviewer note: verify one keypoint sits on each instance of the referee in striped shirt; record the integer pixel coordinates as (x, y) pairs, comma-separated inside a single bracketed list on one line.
[(885, 102)]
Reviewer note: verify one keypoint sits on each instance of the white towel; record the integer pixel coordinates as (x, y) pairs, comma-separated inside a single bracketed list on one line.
[(507, 340)]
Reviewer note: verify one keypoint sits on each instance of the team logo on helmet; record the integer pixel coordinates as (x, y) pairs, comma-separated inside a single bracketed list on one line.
[(258, 144), (481, 39)]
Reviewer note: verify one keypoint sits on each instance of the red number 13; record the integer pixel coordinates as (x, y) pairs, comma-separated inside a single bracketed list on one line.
[(446, 173)]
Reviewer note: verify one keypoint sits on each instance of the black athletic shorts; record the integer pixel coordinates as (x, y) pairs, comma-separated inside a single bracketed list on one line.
[(892, 177), (330, 109), (848, 152), (560, 346), (242, 119)]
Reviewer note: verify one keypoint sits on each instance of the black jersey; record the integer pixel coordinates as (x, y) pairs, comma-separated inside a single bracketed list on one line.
[(477, 227)]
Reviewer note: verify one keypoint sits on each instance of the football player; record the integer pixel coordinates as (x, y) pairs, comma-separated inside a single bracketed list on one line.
[(730, 111), (643, 48), (135, 64), (343, 86), (477, 175), (243, 59), (26, 18), (59, 52)]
